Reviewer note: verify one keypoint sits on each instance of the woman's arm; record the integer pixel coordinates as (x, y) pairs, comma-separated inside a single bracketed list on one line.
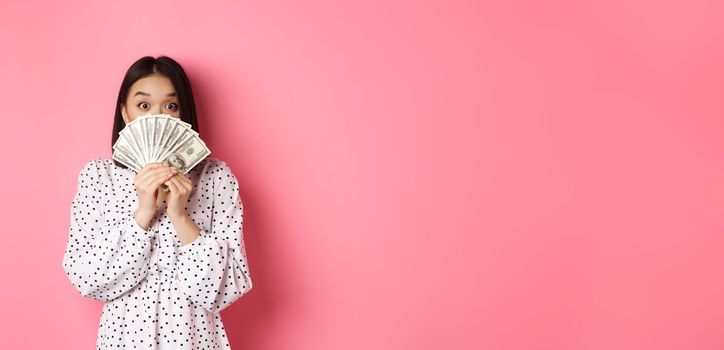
[(103, 260), (186, 229), (213, 270)]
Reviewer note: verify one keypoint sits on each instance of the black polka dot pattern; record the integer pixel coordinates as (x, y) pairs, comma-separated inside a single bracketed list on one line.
[(157, 294)]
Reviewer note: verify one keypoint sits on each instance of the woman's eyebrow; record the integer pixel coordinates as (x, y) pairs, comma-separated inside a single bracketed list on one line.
[(147, 94)]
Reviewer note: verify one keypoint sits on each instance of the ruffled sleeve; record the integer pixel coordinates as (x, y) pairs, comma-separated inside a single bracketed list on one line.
[(213, 270), (103, 259)]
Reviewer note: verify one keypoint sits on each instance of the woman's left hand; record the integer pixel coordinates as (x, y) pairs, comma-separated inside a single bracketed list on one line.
[(180, 189)]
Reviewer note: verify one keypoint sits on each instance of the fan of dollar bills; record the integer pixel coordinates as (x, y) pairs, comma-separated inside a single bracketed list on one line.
[(159, 138)]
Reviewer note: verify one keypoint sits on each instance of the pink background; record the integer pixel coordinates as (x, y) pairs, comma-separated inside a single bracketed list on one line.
[(416, 175)]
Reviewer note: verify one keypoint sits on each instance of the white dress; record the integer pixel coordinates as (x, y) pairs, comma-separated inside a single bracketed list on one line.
[(157, 294)]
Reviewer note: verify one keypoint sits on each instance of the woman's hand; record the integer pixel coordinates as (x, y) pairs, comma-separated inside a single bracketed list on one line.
[(180, 189), (178, 196), (147, 182)]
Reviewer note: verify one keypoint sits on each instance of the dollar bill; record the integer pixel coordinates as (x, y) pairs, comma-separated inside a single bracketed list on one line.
[(190, 153), (159, 138), (128, 152)]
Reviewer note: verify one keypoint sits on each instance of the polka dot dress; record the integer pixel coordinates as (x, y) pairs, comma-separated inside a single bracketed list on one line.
[(157, 294)]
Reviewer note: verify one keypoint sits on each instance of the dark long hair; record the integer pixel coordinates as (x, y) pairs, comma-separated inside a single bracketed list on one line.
[(167, 67)]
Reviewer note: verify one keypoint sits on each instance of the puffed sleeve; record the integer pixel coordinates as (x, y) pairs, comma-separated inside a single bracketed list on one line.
[(213, 270), (103, 259)]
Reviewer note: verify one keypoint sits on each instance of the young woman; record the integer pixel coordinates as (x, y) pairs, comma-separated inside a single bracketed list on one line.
[(164, 263)]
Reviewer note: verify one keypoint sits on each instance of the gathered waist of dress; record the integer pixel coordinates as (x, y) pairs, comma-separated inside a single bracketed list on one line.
[(160, 273)]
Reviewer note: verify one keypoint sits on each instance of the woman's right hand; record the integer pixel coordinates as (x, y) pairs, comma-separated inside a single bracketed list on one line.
[(147, 182)]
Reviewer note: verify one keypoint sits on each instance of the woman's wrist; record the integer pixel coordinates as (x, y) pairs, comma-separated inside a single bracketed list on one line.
[(143, 218), (185, 228)]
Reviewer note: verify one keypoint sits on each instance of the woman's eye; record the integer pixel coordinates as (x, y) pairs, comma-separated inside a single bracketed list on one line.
[(173, 106), (143, 104)]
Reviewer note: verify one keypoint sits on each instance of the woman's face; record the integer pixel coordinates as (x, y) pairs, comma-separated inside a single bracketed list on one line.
[(153, 94)]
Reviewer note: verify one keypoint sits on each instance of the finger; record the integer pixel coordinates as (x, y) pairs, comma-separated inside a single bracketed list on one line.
[(185, 181), (153, 165), (150, 166), (177, 182), (159, 180), (171, 183), (144, 175), (180, 186), (153, 183), (153, 174), (184, 177), (187, 185)]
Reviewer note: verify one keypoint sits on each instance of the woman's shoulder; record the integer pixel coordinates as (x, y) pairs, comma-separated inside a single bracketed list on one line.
[(214, 163), (95, 164), (218, 172), (213, 166), (96, 168)]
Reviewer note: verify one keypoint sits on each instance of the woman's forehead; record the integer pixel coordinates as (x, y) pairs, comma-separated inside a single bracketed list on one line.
[(153, 86)]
